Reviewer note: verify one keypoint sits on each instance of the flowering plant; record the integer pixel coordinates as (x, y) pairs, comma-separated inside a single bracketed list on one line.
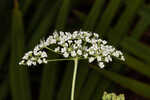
[(78, 45)]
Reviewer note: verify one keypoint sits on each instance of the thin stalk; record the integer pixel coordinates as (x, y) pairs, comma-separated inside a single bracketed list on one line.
[(74, 78), (52, 50), (59, 60)]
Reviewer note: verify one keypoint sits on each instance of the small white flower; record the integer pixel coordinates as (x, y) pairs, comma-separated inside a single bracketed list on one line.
[(104, 42), (62, 33), (21, 63), (44, 61), (44, 54), (122, 58), (79, 52), (101, 64), (29, 62), (106, 59), (55, 34), (91, 59), (34, 63), (87, 39), (96, 35), (91, 52), (82, 44), (63, 50), (57, 49), (105, 53), (74, 35), (116, 54), (32, 58), (75, 46), (99, 58), (39, 61), (66, 45), (69, 41), (78, 41), (109, 58), (93, 40), (65, 54), (25, 57), (85, 55), (73, 54)]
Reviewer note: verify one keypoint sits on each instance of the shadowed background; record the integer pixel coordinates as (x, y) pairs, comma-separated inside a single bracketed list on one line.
[(123, 23)]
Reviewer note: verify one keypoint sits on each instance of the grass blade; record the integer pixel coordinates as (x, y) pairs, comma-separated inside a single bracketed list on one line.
[(124, 22), (93, 15), (135, 86), (36, 16), (142, 25), (3, 90), (89, 87), (62, 15), (45, 24), (65, 88), (81, 16), (18, 78), (136, 48), (61, 20), (82, 74), (108, 16), (138, 65), (26, 5), (49, 80), (4, 50)]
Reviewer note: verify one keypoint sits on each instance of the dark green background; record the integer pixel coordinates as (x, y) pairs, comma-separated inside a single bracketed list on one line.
[(123, 23)]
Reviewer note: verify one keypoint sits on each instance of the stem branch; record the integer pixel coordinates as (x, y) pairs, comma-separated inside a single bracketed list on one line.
[(59, 60), (52, 50), (74, 78)]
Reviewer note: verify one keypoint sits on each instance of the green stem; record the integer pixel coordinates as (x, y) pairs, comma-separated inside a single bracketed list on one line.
[(59, 59), (51, 50), (74, 78)]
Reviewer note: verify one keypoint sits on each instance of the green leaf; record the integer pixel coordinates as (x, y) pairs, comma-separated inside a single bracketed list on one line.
[(65, 86), (89, 88), (142, 25), (108, 15), (44, 25), (137, 65), (62, 15), (138, 49), (37, 15), (49, 80), (4, 50), (82, 76), (3, 90), (26, 5), (93, 15), (124, 22), (134, 85), (61, 20), (81, 16), (18, 78), (103, 83)]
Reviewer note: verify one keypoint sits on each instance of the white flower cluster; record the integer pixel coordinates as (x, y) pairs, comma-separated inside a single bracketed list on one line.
[(37, 56), (81, 44)]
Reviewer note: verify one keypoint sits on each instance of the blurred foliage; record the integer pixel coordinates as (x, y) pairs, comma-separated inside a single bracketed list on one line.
[(24, 22)]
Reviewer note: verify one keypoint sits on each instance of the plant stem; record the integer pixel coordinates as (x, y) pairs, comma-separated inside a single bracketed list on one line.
[(51, 50), (74, 78), (59, 60)]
